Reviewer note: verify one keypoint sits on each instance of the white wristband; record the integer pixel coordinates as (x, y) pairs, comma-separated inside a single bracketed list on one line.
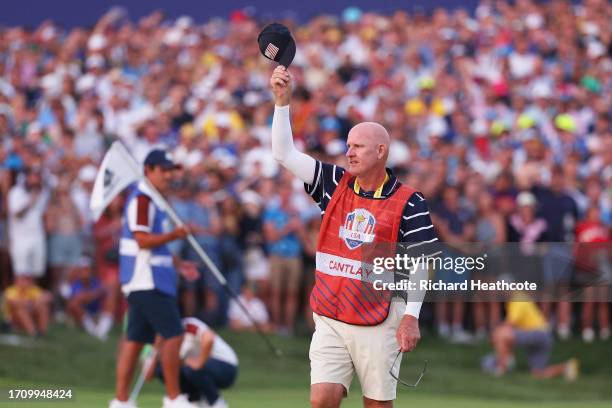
[(413, 309)]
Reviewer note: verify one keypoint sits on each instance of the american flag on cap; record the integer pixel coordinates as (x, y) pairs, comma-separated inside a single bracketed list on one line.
[(271, 51)]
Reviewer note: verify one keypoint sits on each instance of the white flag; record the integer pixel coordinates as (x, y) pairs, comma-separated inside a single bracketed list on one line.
[(118, 170)]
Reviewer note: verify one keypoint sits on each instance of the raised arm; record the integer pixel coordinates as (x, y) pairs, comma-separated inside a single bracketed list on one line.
[(283, 149)]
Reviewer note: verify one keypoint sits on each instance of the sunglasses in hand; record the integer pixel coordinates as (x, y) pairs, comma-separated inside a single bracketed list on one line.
[(405, 383)]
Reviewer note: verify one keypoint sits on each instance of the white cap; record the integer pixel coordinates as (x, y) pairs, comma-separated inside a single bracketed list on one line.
[(483, 11), (48, 33), (96, 42), (184, 22), (479, 127), (87, 174), (595, 49), (590, 28), (35, 127), (95, 61), (85, 83), (223, 120), (526, 199), (250, 197), (252, 98), (52, 84), (224, 158), (436, 127), (222, 95), (173, 36), (534, 21), (541, 90), (335, 148), (228, 162), (190, 40)]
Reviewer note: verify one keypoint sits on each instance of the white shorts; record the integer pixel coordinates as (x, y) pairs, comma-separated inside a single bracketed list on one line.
[(29, 257), (256, 265), (339, 350)]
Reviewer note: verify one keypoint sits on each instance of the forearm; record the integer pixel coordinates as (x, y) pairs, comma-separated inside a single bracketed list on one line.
[(284, 151), (147, 241), (206, 346)]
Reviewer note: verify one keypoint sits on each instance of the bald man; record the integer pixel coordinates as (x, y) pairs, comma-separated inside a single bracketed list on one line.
[(358, 330)]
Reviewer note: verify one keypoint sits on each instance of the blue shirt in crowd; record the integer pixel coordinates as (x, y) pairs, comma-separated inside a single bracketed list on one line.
[(289, 245)]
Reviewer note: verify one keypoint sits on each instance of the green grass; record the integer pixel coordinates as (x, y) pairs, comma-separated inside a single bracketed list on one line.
[(67, 358)]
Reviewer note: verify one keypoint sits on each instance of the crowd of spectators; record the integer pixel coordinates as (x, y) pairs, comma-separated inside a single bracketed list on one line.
[(500, 116)]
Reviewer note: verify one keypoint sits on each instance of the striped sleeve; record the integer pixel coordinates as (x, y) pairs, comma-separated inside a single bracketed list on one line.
[(325, 180), (416, 228)]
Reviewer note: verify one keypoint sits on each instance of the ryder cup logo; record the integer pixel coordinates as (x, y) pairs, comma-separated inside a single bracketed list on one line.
[(358, 228)]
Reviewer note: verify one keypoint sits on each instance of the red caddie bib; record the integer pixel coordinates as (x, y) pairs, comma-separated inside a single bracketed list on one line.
[(352, 227)]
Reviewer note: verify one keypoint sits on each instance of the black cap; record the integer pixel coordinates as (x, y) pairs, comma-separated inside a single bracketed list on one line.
[(276, 43), (158, 157)]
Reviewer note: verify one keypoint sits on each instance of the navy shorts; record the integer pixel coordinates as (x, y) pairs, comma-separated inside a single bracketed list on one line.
[(151, 312)]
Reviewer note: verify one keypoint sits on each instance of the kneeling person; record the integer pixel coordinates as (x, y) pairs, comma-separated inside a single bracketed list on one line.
[(208, 364), (526, 327)]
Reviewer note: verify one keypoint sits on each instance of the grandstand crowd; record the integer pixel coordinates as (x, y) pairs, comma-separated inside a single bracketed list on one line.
[(500, 116)]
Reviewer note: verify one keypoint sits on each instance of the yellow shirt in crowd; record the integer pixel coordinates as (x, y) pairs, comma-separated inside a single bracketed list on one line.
[(525, 315)]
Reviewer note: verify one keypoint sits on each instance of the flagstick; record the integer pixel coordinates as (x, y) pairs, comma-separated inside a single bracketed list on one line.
[(141, 378), (198, 249)]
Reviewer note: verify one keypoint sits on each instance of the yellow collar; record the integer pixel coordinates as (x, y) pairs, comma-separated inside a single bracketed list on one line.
[(378, 192)]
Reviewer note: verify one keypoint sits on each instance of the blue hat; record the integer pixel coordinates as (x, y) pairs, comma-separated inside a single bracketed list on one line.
[(14, 162), (158, 157), (352, 15)]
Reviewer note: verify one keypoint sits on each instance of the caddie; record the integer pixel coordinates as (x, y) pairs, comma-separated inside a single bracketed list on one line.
[(357, 331), (148, 274)]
